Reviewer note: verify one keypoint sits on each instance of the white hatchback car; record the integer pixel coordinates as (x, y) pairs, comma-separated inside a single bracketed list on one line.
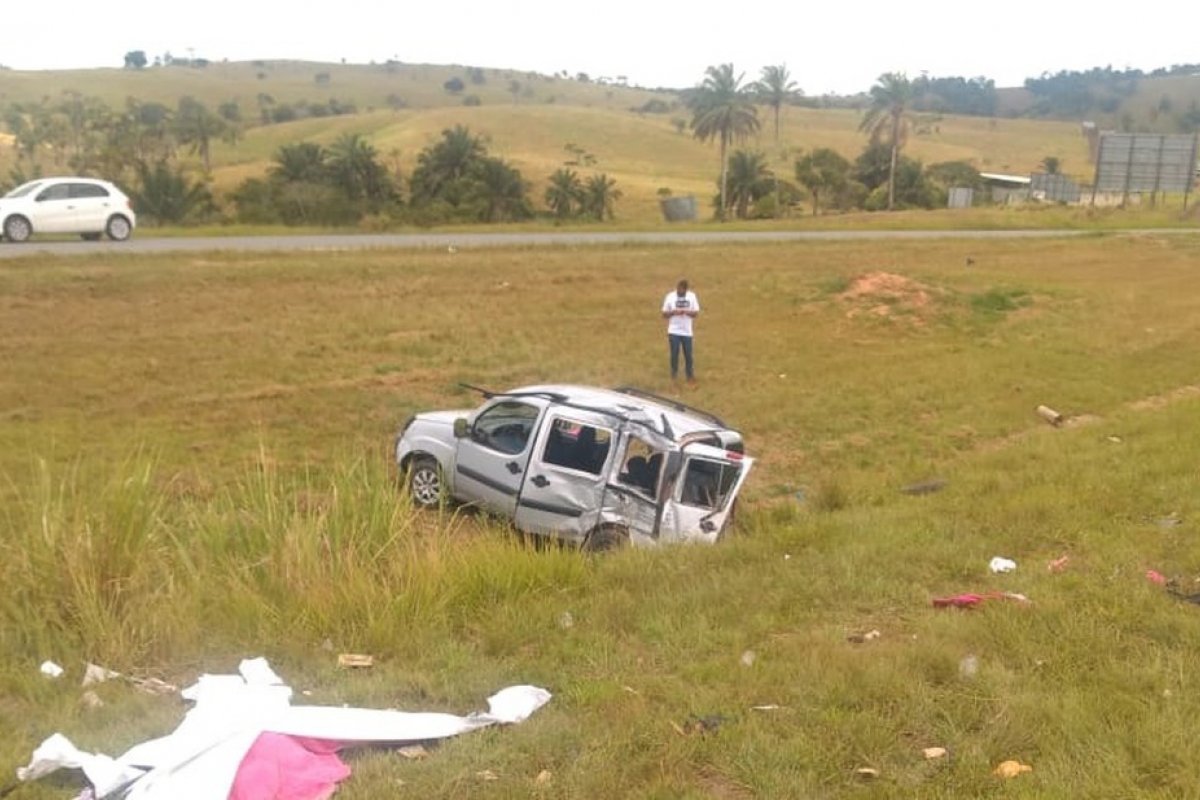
[(85, 206)]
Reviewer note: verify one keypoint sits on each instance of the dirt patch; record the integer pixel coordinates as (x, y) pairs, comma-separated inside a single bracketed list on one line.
[(1163, 400), (888, 295)]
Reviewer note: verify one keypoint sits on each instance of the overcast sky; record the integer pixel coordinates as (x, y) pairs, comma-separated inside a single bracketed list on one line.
[(834, 46)]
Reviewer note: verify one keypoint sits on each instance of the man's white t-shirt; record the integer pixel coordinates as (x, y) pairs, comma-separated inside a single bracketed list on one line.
[(680, 324)]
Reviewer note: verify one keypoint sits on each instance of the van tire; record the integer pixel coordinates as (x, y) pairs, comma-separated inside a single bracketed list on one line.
[(606, 537), (426, 485)]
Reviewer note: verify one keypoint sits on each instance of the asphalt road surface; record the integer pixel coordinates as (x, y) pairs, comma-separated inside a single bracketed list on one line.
[(344, 242)]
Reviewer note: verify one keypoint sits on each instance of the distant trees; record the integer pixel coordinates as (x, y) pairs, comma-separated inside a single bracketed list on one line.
[(774, 88), (825, 173), (564, 196), (135, 59), (888, 118), (749, 180), (724, 111)]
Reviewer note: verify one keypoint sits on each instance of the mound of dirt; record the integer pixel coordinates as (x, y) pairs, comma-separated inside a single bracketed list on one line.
[(885, 294)]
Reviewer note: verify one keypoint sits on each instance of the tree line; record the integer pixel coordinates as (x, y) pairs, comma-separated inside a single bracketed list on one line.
[(725, 111)]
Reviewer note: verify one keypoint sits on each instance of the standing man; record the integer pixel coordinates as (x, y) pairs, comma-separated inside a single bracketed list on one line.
[(679, 308)]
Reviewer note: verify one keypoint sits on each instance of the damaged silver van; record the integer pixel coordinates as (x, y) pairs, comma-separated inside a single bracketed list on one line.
[(597, 467)]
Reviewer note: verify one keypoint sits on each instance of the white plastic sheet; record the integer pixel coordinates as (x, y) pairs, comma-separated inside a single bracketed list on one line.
[(200, 759)]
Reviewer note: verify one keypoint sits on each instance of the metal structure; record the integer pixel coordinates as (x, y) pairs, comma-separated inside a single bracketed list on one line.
[(960, 197), (1136, 163), (1055, 188), (678, 209)]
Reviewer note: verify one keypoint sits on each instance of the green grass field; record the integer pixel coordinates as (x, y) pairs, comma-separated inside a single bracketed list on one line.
[(194, 461)]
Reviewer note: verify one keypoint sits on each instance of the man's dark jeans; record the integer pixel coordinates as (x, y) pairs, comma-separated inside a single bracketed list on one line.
[(678, 342)]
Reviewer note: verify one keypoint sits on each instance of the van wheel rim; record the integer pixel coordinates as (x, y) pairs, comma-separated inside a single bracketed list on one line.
[(426, 486)]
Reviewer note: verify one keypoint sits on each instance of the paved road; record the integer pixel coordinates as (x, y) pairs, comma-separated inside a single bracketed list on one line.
[(330, 243)]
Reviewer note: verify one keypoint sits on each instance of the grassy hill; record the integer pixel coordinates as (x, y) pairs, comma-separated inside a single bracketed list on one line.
[(402, 108)]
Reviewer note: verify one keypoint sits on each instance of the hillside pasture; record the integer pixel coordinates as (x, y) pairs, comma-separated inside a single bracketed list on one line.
[(194, 454)]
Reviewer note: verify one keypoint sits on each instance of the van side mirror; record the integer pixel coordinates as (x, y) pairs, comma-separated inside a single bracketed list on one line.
[(461, 429)]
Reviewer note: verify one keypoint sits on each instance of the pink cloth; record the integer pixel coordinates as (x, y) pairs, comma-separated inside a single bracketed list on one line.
[(281, 767), (972, 600)]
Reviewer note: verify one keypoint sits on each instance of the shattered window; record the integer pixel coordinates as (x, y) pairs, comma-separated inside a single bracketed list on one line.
[(707, 483), (640, 466), (577, 445), (505, 426)]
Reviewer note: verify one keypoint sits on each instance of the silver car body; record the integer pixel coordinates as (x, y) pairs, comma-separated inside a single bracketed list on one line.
[(567, 461)]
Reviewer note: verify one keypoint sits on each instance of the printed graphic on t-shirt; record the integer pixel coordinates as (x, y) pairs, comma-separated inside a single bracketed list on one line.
[(682, 302)]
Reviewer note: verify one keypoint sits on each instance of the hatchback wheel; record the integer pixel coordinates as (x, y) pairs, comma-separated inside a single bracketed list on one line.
[(425, 482), (118, 228), (17, 229)]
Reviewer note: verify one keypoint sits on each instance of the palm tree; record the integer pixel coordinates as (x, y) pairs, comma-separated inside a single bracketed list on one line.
[(446, 163), (300, 162), (600, 196), (888, 119), (195, 125), (774, 88), (749, 180), (353, 167), (565, 194), (722, 110), (497, 190)]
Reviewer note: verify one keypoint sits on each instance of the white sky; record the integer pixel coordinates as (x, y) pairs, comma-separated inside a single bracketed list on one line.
[(837, 46)]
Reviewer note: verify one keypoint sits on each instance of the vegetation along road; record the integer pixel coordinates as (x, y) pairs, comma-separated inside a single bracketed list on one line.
[(438, 240)]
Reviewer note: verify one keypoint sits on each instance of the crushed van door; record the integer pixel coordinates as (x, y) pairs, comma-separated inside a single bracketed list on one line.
[(563, 488), (700, 501)]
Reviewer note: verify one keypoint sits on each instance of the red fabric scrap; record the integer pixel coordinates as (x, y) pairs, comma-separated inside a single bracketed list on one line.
[(282, 767), (972, 600)]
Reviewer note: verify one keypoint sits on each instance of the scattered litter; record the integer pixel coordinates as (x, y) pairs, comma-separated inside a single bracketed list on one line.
[(859, 638), (355, 660), (767, 707), (51, 670), (91, 700), (631, 690), (1170, 520), (565, 620), (487, 775), (787, 556), (1050, 415), (972, 600), (866, 773), (94, 673), (1000, 564), (1115, 439), (933, 753), (1059, 564), (748, 658), (782, 375), (699, 725), (925, 487), (451, 249), (413, 752), (244, 740), (1010, 769), (153, 685), (968, 667), (1156, 577), (544, 777)]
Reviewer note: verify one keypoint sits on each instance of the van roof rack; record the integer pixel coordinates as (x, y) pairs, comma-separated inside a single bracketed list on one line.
[(633, 391)]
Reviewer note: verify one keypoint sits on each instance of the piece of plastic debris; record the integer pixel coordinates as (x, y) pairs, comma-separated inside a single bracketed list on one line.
[(153, 685), (544, 777), (91, 700), (209, 752), (357, 660), (859, 638), (1000, 564), (969, 666), (748, 658), (767, 707), (925, 487), (1156, 577), (867, 773), (565, 620), (1115, 439), (932, 753), (970, 600), (1050, 415), (487, 775), (414, 752), (1059, 564), (1170, 520), (1010, 769), (51, 670), (94, 673), (787, 556)]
